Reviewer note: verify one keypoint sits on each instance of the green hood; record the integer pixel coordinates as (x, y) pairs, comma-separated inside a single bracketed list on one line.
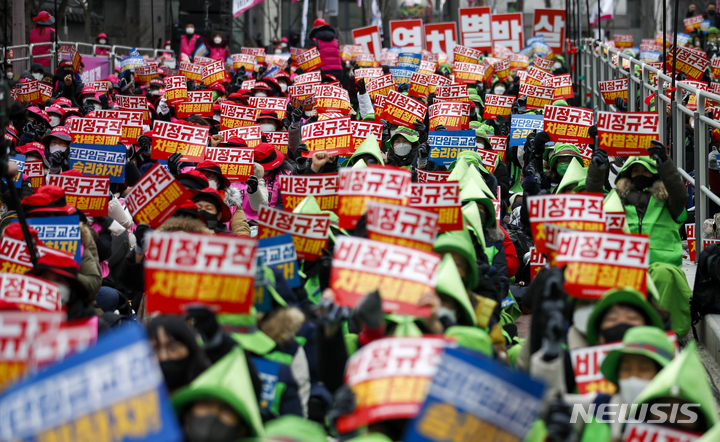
[(564, 150), (560, 103), (612, 203), (359, 164), (369, 117), (471, 215), (712, 435), (472, 192), (472, 338), (257, 342), (405, 326), (228, 380), (646, 341), (458, 171), (620, 296), (371, 146), (472, 158), (450, 284), (371, 437), (575, 174), (648, 162), (295, 428), (472, 175), (459, 241), (684, 378)]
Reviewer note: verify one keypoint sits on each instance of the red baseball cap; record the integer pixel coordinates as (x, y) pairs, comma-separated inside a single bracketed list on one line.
[(268, 156), (211, 166)]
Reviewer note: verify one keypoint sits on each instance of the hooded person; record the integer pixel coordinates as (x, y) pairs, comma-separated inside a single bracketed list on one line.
[(474, 160), (42, 33), (368, 152), (456, 308), (325, 38), (175, 345), (35, 126), (564, 154), (212, 207), (220, 405), (573, 181)]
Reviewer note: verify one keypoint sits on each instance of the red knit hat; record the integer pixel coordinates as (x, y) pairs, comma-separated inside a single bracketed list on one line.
[(14, 231), (189, 208)]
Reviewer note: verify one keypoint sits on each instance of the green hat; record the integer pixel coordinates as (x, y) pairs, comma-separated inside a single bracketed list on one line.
[(409, 134), (369, 117), (359, 164), (560, 103), (488, 129), (257, 342), (620, 296), (564, 150), (712, 435), (296, 428), (309, 206), (684, 378), (575, 174), (371, 146), (472, 192), (459, 241), (449, 283), (458, 169), (405, 326), (228, 381), (643, 340), (472, 338), (471, 215), (712, 30), (472, 90), (648, 162), (472, 158), (475, 97)]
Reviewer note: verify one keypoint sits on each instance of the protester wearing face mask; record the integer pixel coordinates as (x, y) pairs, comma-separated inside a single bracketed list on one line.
[(154, 86), (35, 126), (102, 39), (55, 113), (37, 71), (189, 41), (219, 48), (212, 207), (261, 90), (269, 122), (9, 71), (57, 149), (87, 100), (233, 195)]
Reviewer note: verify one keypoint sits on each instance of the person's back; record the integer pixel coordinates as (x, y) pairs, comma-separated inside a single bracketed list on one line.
[(42, 33), (326, 40)]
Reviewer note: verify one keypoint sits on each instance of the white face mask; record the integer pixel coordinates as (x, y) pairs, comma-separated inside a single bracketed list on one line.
[(557, 65), (64, 293), (54, 121), (267, 127), (217, 40), (54, 147), (213, 184), (499, 90), (631, 388), (38, 76), (167, 48), (10, 75), (102, 41), (581, 316), (260, 94), (97, 106), (283, 87), (190, 31), (479, 145), (216, 117), (448, 313), (154, 92), (402, 149)]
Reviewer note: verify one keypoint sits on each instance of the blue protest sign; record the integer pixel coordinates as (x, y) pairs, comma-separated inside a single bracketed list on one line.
[(476, 397), (59, 233), (20, 161), (134, 52), (409, 60), (540, 48), (89, 396), (447, 144), (536, 39), (401, 75), (705, 26), (527, 50), (269, 373), (99, 160), (682, 39), (650, 56), (278, 252), (522, 125), (130, 63)]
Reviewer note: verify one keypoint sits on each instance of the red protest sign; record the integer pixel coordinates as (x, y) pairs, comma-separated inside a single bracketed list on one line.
[(191, 71), (693, 23), (441, 37), (95, 131), (213, 73), (562, 84), (258, 53), (612, 89), (699, 85), (55, 345), (715, 67), (537, 262), (310, 232), (452, 115), (243, 60), (251, 134), (488, 68), (184, 268), (34, 171), (567, 124), (403, 110), (176, 89), (189, 140), (455, 92), (279, 139), (88, 193), (75, 57), (368, 73), (381, 86), (440, 197), (202, 61), (642, 432), (309, 60), (145, 73), (464, 54), (627, 133), (99, 86), (406, 33), (692, 63), (369, 38), (586, 362), (623, 41), (519, 61), (489, 159), (45, 91), (134, 103), (198, 102), (360, 130), (19, 331), (537, 96), (14, 258), (402, 225), (499, 145), (582, 212), (690, 234), (27, 91), (400, 274), (425, 176), (550, 23), (435, 81), (29, 293), (236, 163), (476, 28), (331, 99), (331, 136), (155, 197), (600, 261), (614, 221), (132, 123), (543, 64), (469, 73), (323, 187), (275, 104), (418, 86), (507, 30), (235, 115), (536, 76), (498, 105), (372, 183), (502, 69)]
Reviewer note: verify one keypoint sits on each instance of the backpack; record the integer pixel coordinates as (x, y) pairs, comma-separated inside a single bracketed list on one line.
[(706, 293)]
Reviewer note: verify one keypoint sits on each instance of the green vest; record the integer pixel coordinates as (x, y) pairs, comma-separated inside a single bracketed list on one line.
[(664, 232), (491, 251)]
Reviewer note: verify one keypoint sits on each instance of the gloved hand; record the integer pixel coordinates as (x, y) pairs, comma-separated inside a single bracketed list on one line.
[(87, 107), (296, 115), (204, 321), (421, 130), (190, 85), (423, 151), (592, 131), (142, 232), (56, 160), (369, 310), (29, 127), (444, 71), (261, 72), (503, 125), (431, 99), (403, 87), (712, 160), (440, 128), (539, 144), (252, 184), (621, 104), (600, 158), (104, 101), (299, 71), (163, 108), (530, 185), (174, 163), (144, 146), (657, 152), (344, 403), (360, 85), (385, 131)]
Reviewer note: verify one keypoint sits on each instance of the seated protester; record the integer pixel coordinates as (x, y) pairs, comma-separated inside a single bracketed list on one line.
[(645, 352), (231, 195), (269, 122), (558, 164), (501, 172), (211, 207), (220, 404), (274, 164), (66, 85), (55, 112), (283, 81), (473, 160), (456, 308), (574, 179), (175, 345), (87, 100), (57, 149), (35, 126), (368, 153)]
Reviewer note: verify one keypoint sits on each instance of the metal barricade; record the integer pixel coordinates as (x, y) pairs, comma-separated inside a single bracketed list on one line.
[(596, 65)]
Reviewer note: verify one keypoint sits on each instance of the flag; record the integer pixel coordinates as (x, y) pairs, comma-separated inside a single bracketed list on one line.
[(606, 11)]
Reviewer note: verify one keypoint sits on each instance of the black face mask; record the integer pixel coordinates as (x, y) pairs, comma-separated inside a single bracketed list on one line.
[(642, 182), (711, 13), (210, 428), (483, 217), (175, 372), (209, 218), (615, 333)]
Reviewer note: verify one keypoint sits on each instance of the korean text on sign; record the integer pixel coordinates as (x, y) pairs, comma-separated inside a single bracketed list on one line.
[(251, 134), (14, 257), (183, 268), (155, 197), (451, 114), (236, 163), (442, 198), (376, 183), (445, 146), (331, 136), (323, 187), (522, 125), (88, 193), (60, 233), (627, 133), (402, 225), (28, 292), (198, 102), (279, 253), (132, 123), (567, 124), (424, 176), (187, 139), (98, 160), (235, 115), (310, 232), (498, 105), (96, 131), (586, 362), (403, 110)]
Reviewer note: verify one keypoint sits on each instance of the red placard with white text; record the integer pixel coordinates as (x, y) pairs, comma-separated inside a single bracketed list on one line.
[(537, 96), (132, 123), (258, 53), (442, 198), (623, 41), (469, 73), (562, 85), (323, 187), (690, 234), (360, 130), (642, 432), (176, 89), (134, 103), (452, 115), (189, 140), (401, 225), (369, 38), (544, 64), (155, 197), (330, 98), (499, 145), (693, 63), (145, 73), (465, 54), (309, 60), (310, 232), (381, 86), (235, 115), (455, 92), (373, 183), (566, 124), (184, 268), (279, 139), (536, 76), (14, 258), (502, 69), (550, 23), (403, 110), (441, 37), (612, 89), (489, 159), (519, 61), (331, 136), (95, 131), (198, 102), (213, 73), (507, 30), (53, 346), (406, 33), (498, 105), (476, 28), (626, 133), (537, 262), (29, 293), (191, 71), (419, 86), (88, 193), (435, 81), (243, 60), (251, 134), (236, 163), (425, 176)]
